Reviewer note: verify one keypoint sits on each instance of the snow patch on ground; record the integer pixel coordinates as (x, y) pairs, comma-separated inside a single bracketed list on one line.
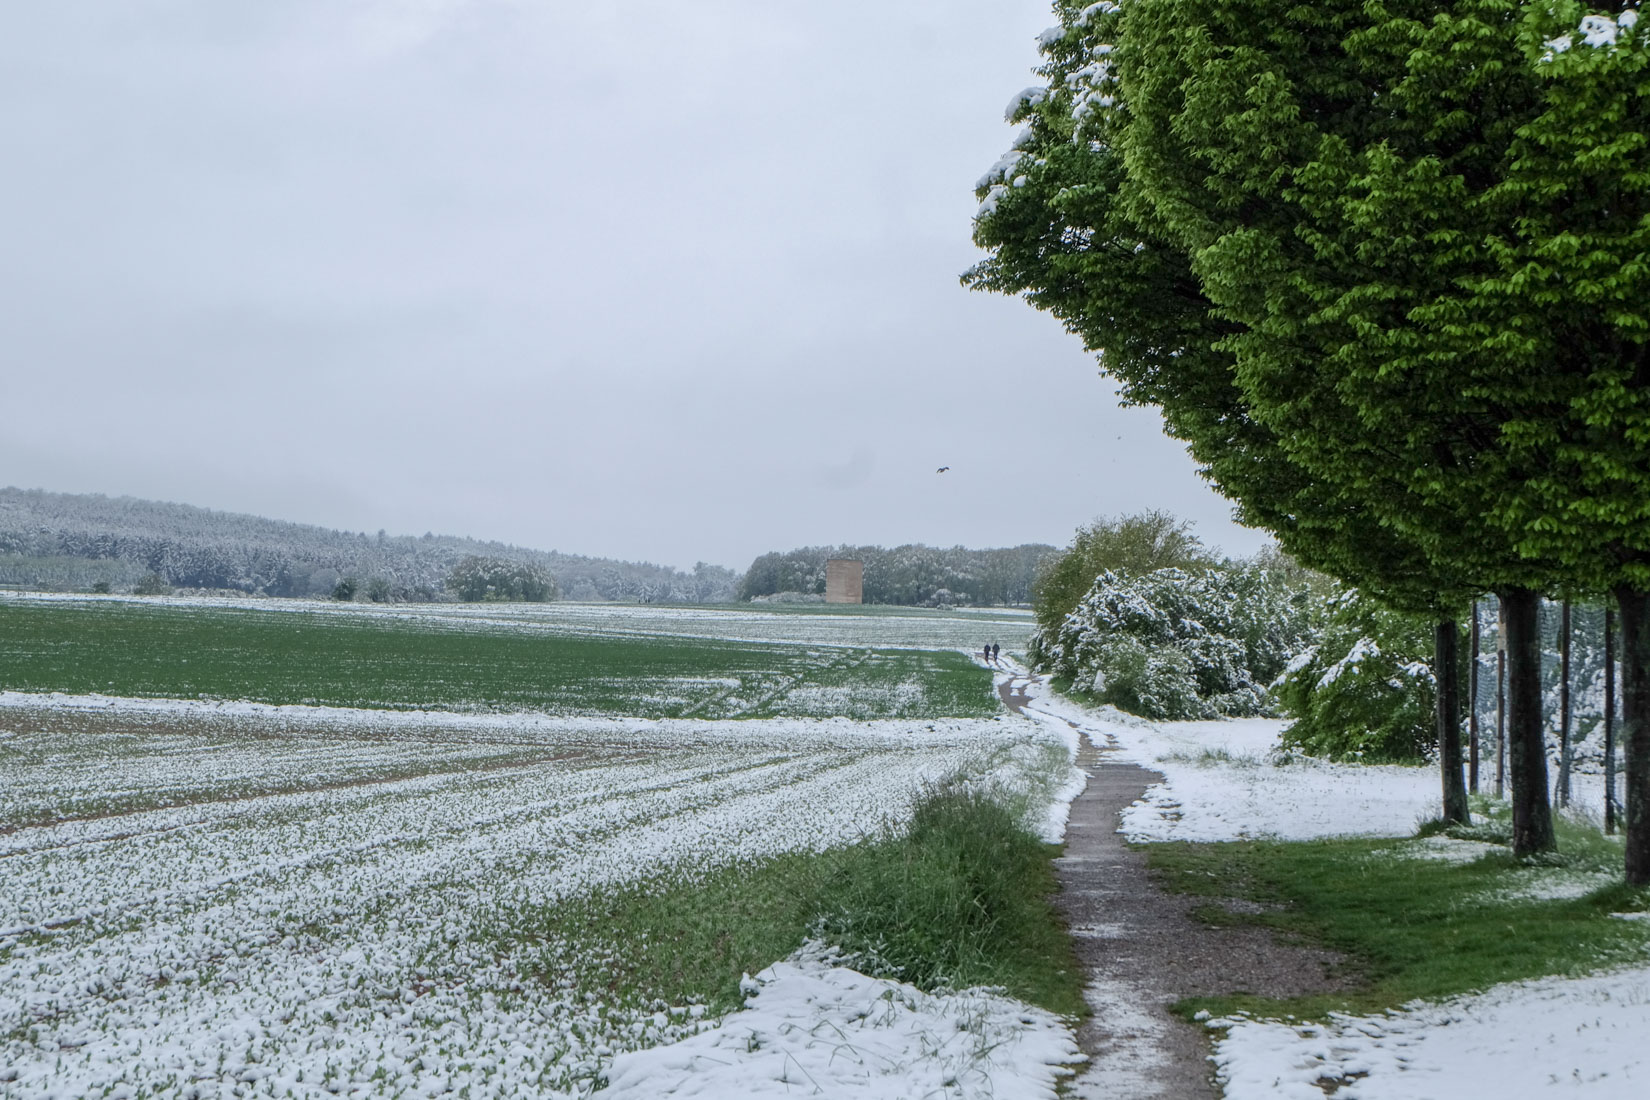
[(1555, 884), (1561, 1036), (1221, 781), (1128, 1065), (815, 1028), (1445, 849)]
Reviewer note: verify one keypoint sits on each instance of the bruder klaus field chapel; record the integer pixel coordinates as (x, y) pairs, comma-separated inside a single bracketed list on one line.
[(844, 581)]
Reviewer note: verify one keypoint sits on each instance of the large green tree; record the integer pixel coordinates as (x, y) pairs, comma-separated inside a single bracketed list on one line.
[(1325, 168), (1568, 294), (1425, 224), (1069, 225), (1462, 269)]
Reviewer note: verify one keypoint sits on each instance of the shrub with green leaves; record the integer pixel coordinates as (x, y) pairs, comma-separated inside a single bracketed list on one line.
[(1173, 644), (1127, 545), (1366, 690), (960, 900)]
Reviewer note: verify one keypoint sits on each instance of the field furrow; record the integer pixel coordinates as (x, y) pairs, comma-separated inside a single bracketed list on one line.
[(374, 934)]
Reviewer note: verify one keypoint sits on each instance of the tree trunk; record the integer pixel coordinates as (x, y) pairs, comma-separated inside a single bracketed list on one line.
[(1635, 729), (1472, 707), (1446, 668), (1500, 699), (1526, 741), (1564, 704), (1609, 721)]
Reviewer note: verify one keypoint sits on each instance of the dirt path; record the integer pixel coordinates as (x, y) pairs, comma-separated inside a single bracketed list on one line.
[(1143, 950), (1012, 692)]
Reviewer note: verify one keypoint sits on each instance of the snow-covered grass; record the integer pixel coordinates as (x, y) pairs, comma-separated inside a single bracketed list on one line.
[(1572, 1037), (1224, 780), (220, 898), (201, 898), (956, 896)]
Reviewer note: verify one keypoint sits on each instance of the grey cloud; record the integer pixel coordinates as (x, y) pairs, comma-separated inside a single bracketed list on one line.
[(640, 280)]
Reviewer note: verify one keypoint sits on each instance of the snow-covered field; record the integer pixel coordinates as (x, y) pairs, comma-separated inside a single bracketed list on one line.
[(278, 900), (207, 899)]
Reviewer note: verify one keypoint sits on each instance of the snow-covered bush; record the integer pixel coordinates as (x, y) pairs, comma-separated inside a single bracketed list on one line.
[(1366, 690), (1173, 644), (789, 597), (476, 579), (1130, 545)]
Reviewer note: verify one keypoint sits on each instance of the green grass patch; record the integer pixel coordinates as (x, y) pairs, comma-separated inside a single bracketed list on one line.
[(891, 684), (961, 898), (1415, 927), (1221, 757), (340, 658)]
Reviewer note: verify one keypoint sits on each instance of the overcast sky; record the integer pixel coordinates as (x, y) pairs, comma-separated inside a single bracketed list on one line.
[(666, 281)]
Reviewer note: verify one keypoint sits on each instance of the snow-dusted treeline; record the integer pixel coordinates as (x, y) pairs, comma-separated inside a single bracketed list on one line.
[(913, 575), (72, 541)]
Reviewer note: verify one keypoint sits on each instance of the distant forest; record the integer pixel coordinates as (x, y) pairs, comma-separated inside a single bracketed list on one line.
[(80, 542), (913, 575), (73, 542)]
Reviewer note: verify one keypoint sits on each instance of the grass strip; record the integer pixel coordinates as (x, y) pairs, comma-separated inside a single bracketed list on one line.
[(1410, 926), (961, 898)]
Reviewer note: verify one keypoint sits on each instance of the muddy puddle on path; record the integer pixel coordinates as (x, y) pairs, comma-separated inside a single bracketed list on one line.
[(1012, 692)]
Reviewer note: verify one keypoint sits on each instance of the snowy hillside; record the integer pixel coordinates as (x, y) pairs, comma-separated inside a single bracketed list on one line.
[(72, 541)]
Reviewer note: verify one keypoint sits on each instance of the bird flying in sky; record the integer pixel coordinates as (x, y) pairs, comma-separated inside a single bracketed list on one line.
[(942, 469)]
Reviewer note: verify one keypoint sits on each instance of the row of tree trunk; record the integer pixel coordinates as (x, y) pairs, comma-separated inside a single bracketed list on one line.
[(1521, 750)]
